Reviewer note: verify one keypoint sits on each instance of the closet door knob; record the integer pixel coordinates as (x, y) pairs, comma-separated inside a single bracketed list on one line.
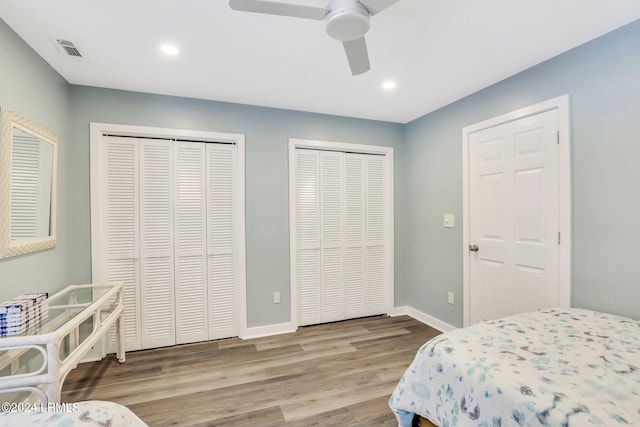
[(473, 248)]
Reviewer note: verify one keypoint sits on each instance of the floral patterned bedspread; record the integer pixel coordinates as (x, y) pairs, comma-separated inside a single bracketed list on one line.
[(94, 413), (554, 367)]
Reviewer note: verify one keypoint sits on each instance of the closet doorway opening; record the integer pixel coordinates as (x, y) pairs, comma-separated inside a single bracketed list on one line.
[(168, 220), (341, 231)]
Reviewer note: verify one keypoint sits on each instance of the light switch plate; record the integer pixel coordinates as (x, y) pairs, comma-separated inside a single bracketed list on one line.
[(449, 220)]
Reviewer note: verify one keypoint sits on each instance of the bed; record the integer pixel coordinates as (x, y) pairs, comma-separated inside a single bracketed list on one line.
[(90, 413), (553, 367)]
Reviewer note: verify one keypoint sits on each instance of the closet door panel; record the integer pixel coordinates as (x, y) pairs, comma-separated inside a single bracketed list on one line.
[(192, 322), (308, 231), (121, 230), (355, 292), (375, 235), (156, 236), (221, 248), (332, 235)]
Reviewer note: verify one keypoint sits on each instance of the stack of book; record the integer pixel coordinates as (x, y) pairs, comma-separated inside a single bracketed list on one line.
[(21, 313)]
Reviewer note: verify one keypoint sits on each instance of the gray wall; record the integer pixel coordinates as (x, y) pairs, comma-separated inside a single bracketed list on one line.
[(601, 77), (603, 80), (267, 180), (31, 88)]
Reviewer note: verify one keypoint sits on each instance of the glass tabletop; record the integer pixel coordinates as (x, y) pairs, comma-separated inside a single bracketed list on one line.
[(75, 296), (64, 306)]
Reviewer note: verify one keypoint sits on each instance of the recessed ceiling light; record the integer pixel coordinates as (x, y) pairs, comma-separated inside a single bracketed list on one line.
[(169, 49), (388, 85)]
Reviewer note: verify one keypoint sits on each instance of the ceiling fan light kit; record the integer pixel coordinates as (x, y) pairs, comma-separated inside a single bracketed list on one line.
[(345, 20)]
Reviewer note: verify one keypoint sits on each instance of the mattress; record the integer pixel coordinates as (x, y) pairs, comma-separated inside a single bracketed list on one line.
[(80, 414), (552, 367)]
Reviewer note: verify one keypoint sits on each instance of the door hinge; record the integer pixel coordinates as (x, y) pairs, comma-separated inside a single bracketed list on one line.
[(557, 137), (558, 237)]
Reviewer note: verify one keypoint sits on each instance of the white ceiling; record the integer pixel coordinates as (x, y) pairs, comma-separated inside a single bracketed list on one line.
[(437, 51)]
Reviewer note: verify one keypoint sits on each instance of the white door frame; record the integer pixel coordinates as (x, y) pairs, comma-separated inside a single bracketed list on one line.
[(561, 104), (97, 130), (295, 143)]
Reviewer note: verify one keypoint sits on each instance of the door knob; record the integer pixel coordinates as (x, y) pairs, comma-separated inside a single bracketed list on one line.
[(473, 248)]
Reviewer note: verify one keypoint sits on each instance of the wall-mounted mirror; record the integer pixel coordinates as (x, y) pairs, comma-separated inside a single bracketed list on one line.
[(28, 186)]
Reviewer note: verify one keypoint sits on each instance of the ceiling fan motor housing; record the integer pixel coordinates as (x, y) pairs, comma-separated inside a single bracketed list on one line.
[(347, 20)]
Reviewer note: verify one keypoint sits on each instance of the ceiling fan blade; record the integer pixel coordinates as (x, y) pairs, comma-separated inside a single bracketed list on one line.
[(357, 55), (276, 8), (377, 6)]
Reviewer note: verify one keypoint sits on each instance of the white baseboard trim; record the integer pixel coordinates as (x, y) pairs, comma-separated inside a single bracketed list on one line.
[(269, 330), (422, 317), (287, 328)]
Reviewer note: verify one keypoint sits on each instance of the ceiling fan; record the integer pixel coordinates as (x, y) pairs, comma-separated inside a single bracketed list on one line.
[(345, 20)]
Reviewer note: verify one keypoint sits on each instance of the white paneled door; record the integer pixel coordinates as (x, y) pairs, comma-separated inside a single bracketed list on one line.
[(165, 222), (340, 209), (514, 217)]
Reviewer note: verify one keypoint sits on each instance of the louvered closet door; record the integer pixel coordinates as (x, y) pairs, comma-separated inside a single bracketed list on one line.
[(120, 159), (156, 237), (308, 236), (166, 217), (190, 243), (340, 214), (356, 248), (365, 235), (222, 250), (332, 235), (375, 219)]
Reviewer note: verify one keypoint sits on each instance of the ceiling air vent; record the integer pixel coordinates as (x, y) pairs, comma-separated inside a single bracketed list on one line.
[(69, 48)]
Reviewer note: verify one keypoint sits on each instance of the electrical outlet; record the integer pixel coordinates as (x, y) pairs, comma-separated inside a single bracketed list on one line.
[(450, 299), (276, 297)]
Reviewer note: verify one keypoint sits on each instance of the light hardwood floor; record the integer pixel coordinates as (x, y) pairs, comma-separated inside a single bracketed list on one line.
[(337, 374)]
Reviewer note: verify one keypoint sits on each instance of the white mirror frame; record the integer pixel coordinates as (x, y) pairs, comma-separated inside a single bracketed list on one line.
[(9, 248)]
